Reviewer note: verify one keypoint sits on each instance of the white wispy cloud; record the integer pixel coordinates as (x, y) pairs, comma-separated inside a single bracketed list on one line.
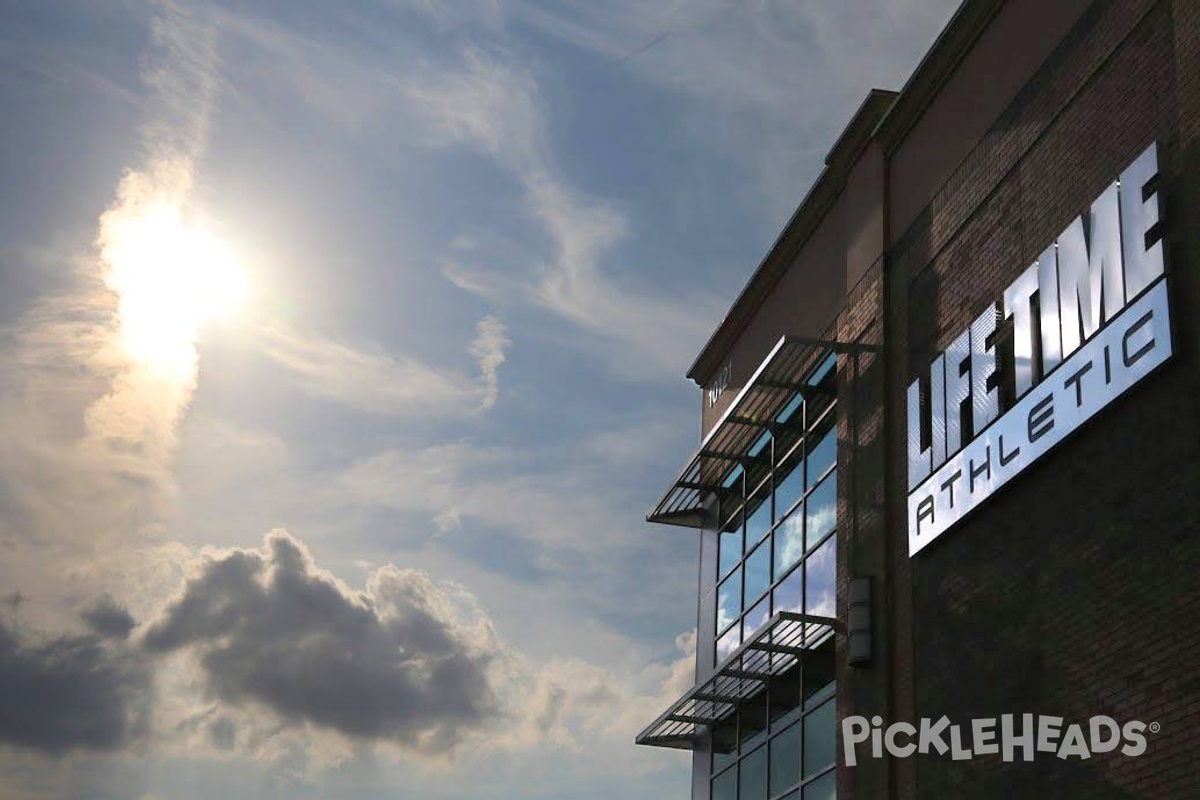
[(576, 526), (820, 58), (493, 104), (377, 381), (489, 345), (771, 83)]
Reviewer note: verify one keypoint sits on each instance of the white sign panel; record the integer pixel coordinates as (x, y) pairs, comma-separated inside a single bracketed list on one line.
[(1123, 353), (1091, 317)]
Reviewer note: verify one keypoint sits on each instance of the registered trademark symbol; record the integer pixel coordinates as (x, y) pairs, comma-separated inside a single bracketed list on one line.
[(1155, 727)]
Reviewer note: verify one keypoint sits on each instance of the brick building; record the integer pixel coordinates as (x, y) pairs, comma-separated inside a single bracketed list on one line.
[(986, 253)]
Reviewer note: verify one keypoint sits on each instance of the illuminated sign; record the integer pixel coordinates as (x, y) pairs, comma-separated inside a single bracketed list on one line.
[(1090, 319)]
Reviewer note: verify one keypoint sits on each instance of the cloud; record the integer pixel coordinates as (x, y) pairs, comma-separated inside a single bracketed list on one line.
[(494, 105), (572, 704), (488, 346), (89, 432), (744, 73), (488, 103), (181, 72), (71, 692), (583, 547), (379, 382), (288, 655), (109, 620), (402, 661), (769, 83)]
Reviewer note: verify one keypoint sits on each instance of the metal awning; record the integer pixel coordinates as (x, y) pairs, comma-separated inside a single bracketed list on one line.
[(779, 647), (756, 409)]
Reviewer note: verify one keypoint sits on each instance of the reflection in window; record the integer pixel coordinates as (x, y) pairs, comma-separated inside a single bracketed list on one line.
[(724, 786), (789, 489), (820, 739), (752, 722), (823, 389), (730, 546), (760, 445), (785, 760), (819, 669), (820, 588), (729, 600), (754, 776), (824, 372), (728, 642), (789, 542), (785, 701), (776, 553), (822, 452), (759, 523), (788, 414), (825, 788), (820, 510), (790, 592), (757, 617), (758, 573), (734, 478), (724, 743)]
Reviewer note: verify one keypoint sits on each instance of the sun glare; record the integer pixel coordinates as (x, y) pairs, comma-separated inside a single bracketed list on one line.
[(171, 279)]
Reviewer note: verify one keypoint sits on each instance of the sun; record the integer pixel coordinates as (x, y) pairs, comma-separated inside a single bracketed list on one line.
[(171, 278)]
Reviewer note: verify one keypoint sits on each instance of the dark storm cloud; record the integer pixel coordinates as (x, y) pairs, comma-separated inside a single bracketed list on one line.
[(389, 663), (108, 620), (70, 692)]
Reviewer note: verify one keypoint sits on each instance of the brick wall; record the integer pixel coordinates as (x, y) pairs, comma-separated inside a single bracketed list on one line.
[(1075, 590)]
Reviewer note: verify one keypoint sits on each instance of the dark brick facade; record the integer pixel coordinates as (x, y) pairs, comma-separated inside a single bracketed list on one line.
[(1075, 590)]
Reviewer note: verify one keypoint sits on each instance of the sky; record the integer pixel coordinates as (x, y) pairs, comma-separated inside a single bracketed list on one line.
[(342, 353)]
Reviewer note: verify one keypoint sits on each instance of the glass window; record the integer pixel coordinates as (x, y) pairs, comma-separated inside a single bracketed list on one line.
[(724, 786), (733, 479), (752, 725), (820, 586), (824, 788), (724, 744), (788, 414), (822, 391), (757, 617), (729, 600), (730, 549), (789, 542), (759, 522), (729, 642), (785, 760), (776, 553), (822, 450), (758, 573), (789, 592), (820, 511), (819, 673), (785, 700), (820, 739), (789, 489), (753, 780), (824, 370)]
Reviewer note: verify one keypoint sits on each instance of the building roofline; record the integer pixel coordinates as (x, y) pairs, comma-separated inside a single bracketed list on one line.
[(884, 116)]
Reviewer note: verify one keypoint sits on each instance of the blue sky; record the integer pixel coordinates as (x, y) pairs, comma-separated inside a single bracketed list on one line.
[(375, 529)]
